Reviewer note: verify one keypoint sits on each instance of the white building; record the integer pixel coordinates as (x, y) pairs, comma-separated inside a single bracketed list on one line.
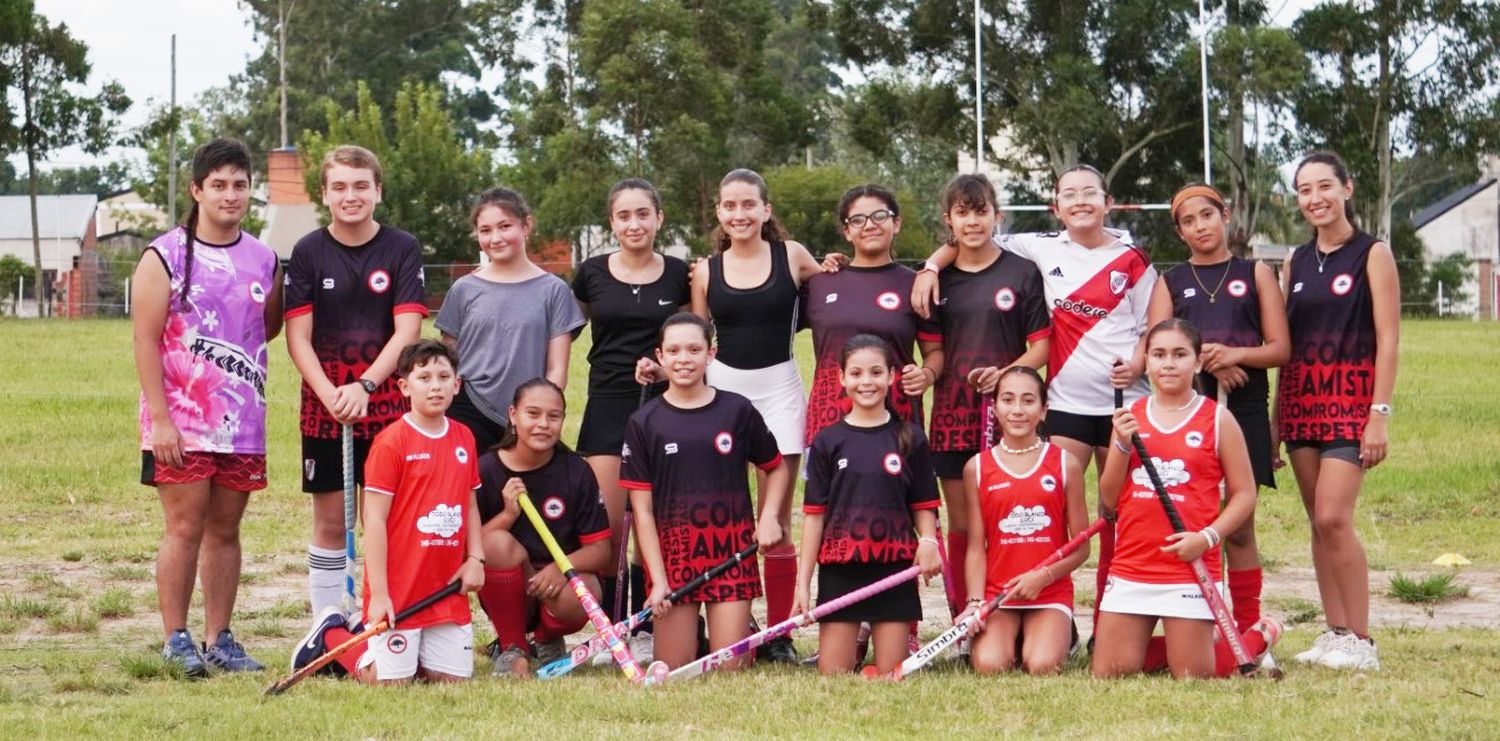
[(1467, 222)]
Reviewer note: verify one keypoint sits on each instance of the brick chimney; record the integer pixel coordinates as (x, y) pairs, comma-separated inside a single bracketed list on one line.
[(284, 177)]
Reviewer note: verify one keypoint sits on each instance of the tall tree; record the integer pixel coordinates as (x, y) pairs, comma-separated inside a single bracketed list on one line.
[(99, 180), (46, 67)]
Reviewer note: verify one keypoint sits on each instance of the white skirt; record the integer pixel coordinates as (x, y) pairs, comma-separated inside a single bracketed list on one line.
[(1158, 600), (776, 392)]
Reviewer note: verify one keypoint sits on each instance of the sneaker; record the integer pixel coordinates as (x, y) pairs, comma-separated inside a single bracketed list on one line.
[(550, 651), (1319, 646), (1271, 628), (603, 657), (313, 644), (778, 651), (1351, 652), (228, 655), (642, 647), (512, 662), (180, 649)]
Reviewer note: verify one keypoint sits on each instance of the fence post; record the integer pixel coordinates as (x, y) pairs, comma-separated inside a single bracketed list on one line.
[(127, 295)]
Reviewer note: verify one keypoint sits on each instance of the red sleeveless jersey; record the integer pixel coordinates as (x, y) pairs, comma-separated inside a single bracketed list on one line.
[(1187, 460), (1024, 517)]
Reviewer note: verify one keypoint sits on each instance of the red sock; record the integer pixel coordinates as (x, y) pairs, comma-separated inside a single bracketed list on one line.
[(1156, 654), (1106, 554), (348, 659), (550, 626), (1244, 592), (958, 562), (503, 598), (781, 582), (1224, 663)]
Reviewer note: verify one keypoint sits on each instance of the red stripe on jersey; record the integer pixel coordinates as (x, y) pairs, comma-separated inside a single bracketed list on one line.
[(814, 509), (1085, 307), (405, 309), (1040, 334), (298, 311), (635, 485), (930, 336), (594, 537), (931, 504), (770, 464)]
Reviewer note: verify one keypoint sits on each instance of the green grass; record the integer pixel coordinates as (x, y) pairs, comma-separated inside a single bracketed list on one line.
[(77, 620), (70, 461), (1429, 589)]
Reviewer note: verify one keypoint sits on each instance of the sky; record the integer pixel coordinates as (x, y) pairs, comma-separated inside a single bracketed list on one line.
[(130, 42)]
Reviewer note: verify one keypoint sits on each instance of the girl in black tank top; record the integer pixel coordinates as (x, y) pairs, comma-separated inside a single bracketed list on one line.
[(755, 325), (1334, 395), (1237, 308)]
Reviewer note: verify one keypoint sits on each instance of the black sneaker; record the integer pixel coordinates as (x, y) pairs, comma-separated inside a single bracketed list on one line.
[(313, 644), (777, 651)]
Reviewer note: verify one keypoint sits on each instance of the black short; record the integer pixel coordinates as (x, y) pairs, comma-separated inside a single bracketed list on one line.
[(1255, 424), (949, 464), (1344, 450), (487, 432), (897, 604), (323, 463), (604, 416), (1093, 429)]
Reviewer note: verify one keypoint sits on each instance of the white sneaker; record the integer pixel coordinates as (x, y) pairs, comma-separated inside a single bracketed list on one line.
[(1351, 652), (603, 657), (1320, 645), (641, 647)]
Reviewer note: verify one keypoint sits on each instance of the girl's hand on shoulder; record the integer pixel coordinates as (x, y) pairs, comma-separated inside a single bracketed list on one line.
[(648, 371), (985, 379), (928, 559), (1187, 546), (925, 293), (833, 261), (1125, 424)]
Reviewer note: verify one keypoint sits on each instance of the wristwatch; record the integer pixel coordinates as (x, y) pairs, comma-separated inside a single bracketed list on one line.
[(1383, 410), (369, 386)]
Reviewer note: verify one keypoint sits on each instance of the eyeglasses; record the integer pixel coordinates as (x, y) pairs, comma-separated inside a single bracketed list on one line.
[(1087, 195), (879, 217)]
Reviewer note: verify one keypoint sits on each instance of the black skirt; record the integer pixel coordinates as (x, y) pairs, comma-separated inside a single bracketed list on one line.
[(602, 431), (897, 604)]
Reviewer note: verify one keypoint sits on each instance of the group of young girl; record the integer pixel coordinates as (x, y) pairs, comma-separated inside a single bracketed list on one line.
[(692, 384)]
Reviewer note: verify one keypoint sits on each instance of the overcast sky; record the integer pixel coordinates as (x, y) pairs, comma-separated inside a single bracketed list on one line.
[(131, 42)]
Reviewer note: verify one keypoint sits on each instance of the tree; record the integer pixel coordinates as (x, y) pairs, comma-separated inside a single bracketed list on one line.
[(806, 199), (430, 177), (45, 66), (12, 271), (101, 181), (151, 181)]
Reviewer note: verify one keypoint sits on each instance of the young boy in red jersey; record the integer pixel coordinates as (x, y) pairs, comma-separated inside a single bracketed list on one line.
[(421, 532)]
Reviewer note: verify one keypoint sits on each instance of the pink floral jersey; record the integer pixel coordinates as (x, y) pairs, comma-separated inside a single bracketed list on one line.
[(213, 348)]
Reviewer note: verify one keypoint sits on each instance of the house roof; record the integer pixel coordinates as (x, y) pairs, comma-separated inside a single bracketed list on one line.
[(1448, 203), (58, 217)]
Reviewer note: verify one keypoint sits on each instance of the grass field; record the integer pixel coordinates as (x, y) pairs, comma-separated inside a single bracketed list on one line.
[(77, 602)]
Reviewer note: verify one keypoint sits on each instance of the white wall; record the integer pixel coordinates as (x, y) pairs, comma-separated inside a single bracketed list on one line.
[(1471, 228)]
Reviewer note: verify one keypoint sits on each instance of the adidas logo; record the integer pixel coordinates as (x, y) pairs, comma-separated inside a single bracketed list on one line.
[(1056, 272)]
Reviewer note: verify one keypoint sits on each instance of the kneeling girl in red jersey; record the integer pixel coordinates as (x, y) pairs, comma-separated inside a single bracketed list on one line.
[(1025, 496), (1194, 445), (684, 464), (524, 590), (870, 493)]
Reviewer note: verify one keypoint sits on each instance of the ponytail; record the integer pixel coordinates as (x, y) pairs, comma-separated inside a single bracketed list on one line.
[(190, 237)]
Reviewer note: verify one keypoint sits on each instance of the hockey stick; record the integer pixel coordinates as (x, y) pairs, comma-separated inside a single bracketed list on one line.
[(328, 656), (583, 651), (351, 552), (988, 439), (952, 635), (716, 659), (617, 648)]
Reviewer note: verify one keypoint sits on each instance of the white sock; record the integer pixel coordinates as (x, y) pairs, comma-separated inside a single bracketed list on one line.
[(325, 577)]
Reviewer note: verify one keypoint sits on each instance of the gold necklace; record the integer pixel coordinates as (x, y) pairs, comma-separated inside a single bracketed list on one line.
[(1215, 292)]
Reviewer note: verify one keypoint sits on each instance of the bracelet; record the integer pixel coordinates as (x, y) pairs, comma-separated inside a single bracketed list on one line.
[(923, 370), (480, 559), (1048, 571), (930, 265), (927, 539), (975, 601), (1121, 447), (1211, 535)]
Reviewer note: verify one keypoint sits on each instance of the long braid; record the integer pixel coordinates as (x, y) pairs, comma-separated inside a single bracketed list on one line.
[(190, 227)]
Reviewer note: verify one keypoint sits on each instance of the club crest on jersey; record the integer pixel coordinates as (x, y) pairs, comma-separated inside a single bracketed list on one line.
[(1048, 482), (724, 442), (1173, 473), (1238, 288), (443, 521), (830, 298), (1117, 279), (1193, 439), (892, 463), (1342, 283), (257, 292), (554, 508), (1005, 299), (1189, 292), (461, 454), (379, 281), (889, 301), (1025, 520), (397, 644)]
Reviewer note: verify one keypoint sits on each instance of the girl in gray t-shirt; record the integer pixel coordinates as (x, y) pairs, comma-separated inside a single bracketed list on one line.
[(510, 321)]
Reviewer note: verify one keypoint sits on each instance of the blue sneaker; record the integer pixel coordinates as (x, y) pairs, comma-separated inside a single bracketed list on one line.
[(228, 655), (313, 644), (181, 650)]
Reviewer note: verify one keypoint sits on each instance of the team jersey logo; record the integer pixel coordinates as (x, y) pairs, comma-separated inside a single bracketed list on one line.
[(1238, 288), (625, 450), (1297, 287), (888, 301), (892, 463), (1189, 292), (669, 449), (461, 454), (309, 466), (843, 463), (257, 292), (1193, 439), (397, 644), (1055, 272), (1048, 482), (328, 284), (723, 442), (1005, 299), (554, 508), (443, 521), (380, 281), (1342, 283), (1025, 520), (1172, 473), (1117, 280), (830, 298)]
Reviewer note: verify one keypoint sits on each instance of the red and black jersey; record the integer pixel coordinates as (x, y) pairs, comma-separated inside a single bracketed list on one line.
[(624, 319), (1326, 388), (354, 294), (564, 491), (984, 318), (1223, 302), (694, 463), (866, 490), (853, 301)]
